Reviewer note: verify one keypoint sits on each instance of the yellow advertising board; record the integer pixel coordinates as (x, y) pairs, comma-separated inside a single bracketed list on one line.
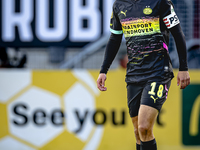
[(64, 110)]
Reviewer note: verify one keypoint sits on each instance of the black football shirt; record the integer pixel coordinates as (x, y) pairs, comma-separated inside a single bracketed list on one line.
[(145, 25)]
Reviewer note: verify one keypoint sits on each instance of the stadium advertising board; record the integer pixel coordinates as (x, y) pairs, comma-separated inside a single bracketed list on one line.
[(43, 23), (44, 110)]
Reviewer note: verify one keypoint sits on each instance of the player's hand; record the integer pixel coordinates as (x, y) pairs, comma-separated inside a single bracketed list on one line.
[(101, 82), (183, 79)]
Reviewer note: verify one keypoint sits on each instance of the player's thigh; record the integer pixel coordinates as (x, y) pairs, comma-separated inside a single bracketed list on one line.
[(147, 117), (153, 97), (134, 92)]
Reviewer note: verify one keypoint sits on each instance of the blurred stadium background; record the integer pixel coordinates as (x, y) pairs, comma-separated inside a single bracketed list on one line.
[(50, 55)]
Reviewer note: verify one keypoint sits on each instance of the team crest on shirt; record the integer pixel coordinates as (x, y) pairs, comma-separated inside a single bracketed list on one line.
[(147, 10)]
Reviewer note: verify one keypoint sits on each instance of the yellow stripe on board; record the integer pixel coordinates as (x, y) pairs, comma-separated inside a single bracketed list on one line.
[(194, 119)]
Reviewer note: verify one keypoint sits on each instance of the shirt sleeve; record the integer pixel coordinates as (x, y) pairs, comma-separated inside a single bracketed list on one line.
[(111, 51), (115, 25), (168, 14), (181, 47)]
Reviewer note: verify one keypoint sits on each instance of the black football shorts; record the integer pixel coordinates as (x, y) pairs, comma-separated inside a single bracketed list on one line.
[(151, 93)]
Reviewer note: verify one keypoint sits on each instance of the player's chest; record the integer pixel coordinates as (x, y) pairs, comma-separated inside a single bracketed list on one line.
[(140, 9)]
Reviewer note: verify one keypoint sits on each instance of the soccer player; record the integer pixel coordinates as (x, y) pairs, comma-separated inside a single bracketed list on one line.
[(146, 25)]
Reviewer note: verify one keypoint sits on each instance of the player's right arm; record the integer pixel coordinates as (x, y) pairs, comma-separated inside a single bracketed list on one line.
[(111, 49), (110, 53)]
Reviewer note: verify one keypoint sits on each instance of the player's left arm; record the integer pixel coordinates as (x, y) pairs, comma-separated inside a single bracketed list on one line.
[(172, 23), (183, 77)]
